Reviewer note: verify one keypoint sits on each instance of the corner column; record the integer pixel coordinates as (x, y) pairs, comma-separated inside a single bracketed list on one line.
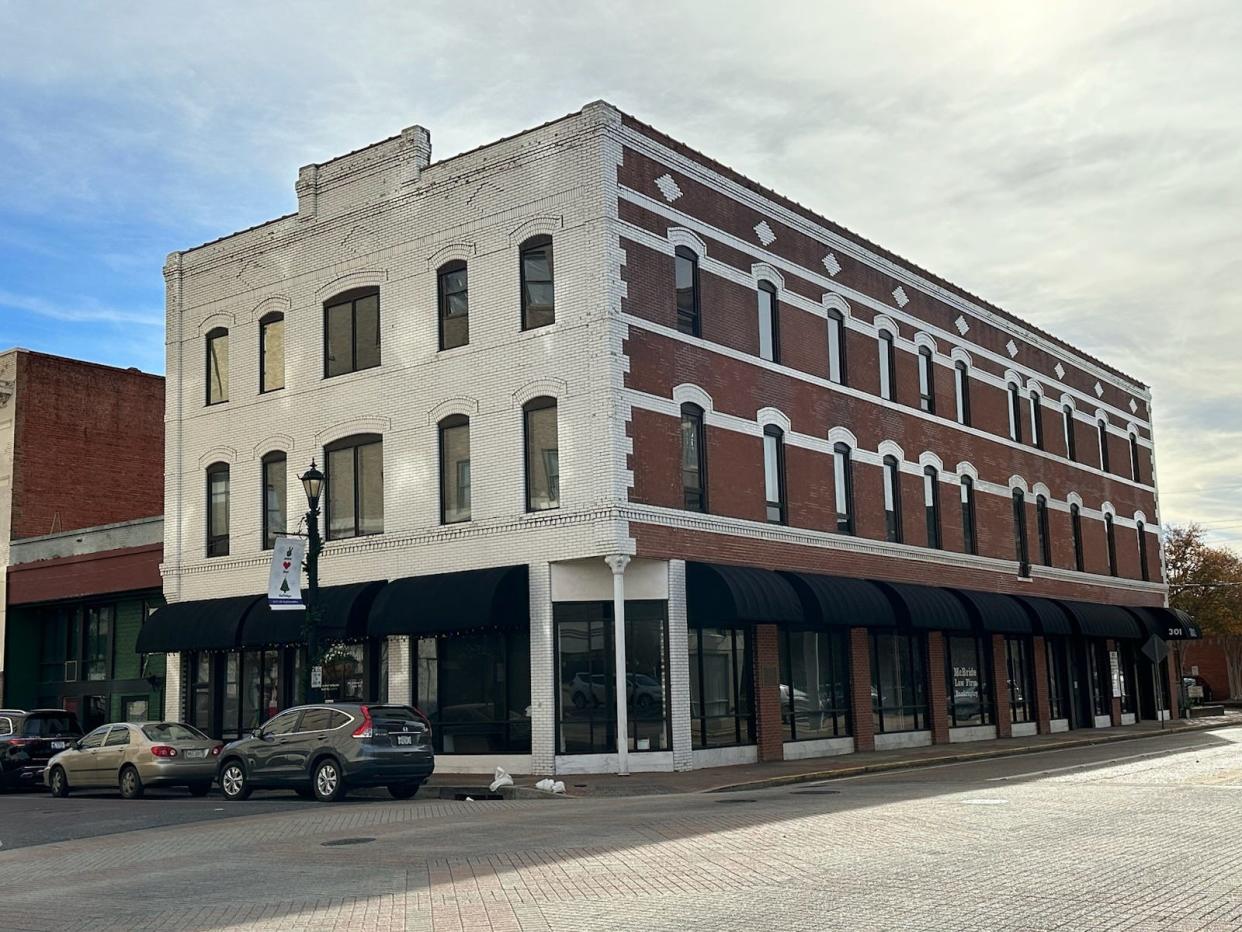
[(617, 563), (769, 737), (1000, 687), (1043, 705), (937, 696), (1173, 678), (679, 667), (542, 672), (862, 718), (172, 688), (400, 682)]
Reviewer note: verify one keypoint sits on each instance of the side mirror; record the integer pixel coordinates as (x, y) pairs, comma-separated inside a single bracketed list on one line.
[(256, 732), (77, 745)]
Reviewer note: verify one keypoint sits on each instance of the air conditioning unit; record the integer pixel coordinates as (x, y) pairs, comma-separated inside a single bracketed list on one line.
[(71, 671)]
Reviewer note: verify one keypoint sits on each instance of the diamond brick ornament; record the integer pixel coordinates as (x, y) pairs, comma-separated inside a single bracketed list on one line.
[(1011, 348), (1060, 371), (668, 187), (900, 296), (961, 324), (831, 264), (764, 232), (1099, 390)]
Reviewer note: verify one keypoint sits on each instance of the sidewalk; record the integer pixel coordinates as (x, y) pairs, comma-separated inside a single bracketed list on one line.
[(758, 776)]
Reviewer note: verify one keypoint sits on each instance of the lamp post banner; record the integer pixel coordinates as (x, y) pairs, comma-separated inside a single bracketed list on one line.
[(284, 581)]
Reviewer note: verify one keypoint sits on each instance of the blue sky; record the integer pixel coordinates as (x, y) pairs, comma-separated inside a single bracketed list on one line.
[(1078, 164)]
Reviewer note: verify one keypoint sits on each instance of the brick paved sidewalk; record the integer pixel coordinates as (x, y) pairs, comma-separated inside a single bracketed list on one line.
[(752, 776)]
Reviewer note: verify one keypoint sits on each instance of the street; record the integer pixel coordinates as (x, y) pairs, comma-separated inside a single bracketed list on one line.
[(1137, 835)]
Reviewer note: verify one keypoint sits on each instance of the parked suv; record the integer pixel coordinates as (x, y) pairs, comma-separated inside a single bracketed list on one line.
[(29, 739), (323, 750)]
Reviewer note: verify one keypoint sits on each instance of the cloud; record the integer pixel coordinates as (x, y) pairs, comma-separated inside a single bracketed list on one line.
[(87, 313)]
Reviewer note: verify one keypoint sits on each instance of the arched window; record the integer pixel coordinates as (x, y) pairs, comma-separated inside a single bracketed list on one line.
[(218, 510), (1037, 421), (1015, 413), (1142, 550), (774, 474), (1111, 533), (1067, 423), (1019, 533), (355, 486), (275, 501), (1076, 534), (843, 487), (538, 283), (892, 499), (970, 542), (836, 346), (453, 299), (1041, 530), (351, 323), (961, 388), (217, 366), (887, 369), (693, 458), (687, 283), (454, 469), (931, 505), (1136, 472), (769, 323), (543, 467), (1102, 429), (927, 380), (271, 352)]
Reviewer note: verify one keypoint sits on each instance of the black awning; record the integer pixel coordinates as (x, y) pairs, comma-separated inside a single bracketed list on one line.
[(718, 594), (997, 613), (206, 624), (444, 603), (927, 607), (342, 616), (1097, 620), (838, 601), (1170, 624), (1049, 617)]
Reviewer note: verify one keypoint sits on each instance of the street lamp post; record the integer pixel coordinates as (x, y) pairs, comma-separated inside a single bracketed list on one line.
[(312, 483)]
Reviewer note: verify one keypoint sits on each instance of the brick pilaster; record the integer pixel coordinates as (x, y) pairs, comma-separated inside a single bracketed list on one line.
[(1043, 707), (1000, 687), (1114, 707), (1175, 691), (938, 699), (862, 718), (768, 733)]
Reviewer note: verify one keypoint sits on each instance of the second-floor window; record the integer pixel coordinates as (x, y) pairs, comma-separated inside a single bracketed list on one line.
[(454, 469), (843, 487), (693, 458), (892, 499), (1041, 529), (538, 283), (1037, 421), (453, 297), (218, 510), (836, 347), (1067, 422), (355, 493), (1142, 550), (1019, 533), (271, 352), (886, 365), (970, 542), (352, 332), (543, 467), (1102, 429), (275, 475), (1110, 533), (769, 323), (927, 380), (1076, 535), (1136, 472), (961, 390), (1015, 413), (931, 505), (217, 366), (687, 283), (774, 474)]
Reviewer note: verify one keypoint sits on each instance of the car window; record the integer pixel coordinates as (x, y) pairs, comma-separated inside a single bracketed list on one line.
[(283, 724), (316, 720), (173, 731), (95, 738), (45, 725), (118, 736), (394, 718), (6, 726)]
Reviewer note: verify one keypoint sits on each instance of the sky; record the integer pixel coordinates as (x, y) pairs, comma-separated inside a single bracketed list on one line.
[(1079, 164)]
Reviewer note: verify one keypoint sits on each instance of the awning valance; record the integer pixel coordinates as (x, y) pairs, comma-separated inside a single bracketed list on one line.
[(1095, 619), (838, 601), (1171, 624), (719, 594), (1000, 614), (342, 616), (1049, 617), (205, 624), (927, 607), (1189, 627), (498, 597)]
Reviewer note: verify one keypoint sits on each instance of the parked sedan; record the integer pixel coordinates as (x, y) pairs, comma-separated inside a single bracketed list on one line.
[(134, 756), (29, 739), (323, 750)]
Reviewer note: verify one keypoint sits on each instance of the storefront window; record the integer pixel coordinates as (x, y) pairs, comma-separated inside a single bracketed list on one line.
[(1129, 677), (898, 681), (231, 704), (720, 689), (97, 642), (968, 686), (814, 685), (1058, 678), (200, 690), (343, 666), (1101, 677), (1021, 679)]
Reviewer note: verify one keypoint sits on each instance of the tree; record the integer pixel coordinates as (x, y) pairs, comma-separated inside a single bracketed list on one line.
[(1206, 582)]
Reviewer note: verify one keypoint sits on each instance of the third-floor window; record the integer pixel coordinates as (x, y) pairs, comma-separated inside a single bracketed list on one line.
[(453, 297), (961, 391), (217, 366), (1037, 421), (1136, 471), (769, 323), (1015, 413), (687, 281), (538, 283), (1067, 424), (836, 347), (271, 352), (887, 372), (1101, 427), (927, 380), (352, 332)]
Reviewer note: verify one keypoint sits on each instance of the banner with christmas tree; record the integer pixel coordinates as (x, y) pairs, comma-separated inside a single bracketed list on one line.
[(284, 582)]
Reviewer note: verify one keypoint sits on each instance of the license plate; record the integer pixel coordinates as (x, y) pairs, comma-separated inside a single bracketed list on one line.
[(405, 739), (193, 755), (59, 745)]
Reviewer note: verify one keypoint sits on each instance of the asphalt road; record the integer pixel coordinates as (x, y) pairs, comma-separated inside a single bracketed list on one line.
[(1137, 835)]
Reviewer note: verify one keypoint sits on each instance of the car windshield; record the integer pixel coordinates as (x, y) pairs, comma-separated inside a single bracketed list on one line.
[(43, 726), (172, 731)]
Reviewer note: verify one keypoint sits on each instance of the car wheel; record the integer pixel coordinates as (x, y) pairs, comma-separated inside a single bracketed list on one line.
[(200, 789), (59, 783), (327, 782), (131, 783), (403, 790), (233, 782)]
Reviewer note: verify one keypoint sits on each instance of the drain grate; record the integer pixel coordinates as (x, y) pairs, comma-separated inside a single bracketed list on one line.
[(816, 792), (341, 842)]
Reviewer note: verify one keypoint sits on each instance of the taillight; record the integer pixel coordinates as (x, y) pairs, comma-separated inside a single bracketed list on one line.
[(163, 750), (426, 721), (20, 742), (215, 751), (367, 728)]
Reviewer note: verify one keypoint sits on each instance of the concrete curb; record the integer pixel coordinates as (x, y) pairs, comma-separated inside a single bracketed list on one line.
[(952, 758)]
